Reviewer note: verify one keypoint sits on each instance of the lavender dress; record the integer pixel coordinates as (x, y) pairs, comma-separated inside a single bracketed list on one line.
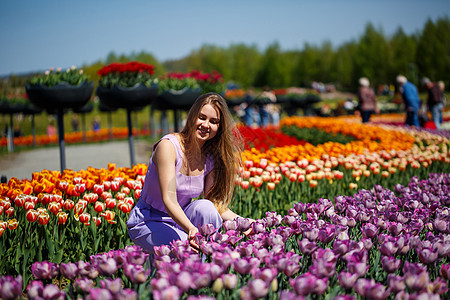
[(149, 223)]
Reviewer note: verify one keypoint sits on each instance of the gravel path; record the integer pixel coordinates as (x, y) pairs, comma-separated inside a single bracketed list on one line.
[(21, 165)]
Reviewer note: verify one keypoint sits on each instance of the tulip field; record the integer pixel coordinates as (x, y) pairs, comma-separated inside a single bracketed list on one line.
[(343, 210)]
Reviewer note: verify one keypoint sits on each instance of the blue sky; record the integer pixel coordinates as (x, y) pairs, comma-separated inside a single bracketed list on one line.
[(40, 34)]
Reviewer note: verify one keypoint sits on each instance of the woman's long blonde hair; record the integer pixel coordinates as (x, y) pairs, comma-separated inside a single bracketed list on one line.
[(225, 147)]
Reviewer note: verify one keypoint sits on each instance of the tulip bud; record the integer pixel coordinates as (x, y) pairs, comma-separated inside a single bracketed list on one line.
[(85, 218), (217, 285), (99, 206)]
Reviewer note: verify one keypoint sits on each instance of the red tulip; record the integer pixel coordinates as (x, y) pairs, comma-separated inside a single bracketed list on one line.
[(85, 218), (1, 210), (1, 231), (79, 208), (54, 207), (62, 217), (98, 189), (3, 224), (32, 215), (99, 206), (137, 193), (19, 201), (245, 184), (68, 204), (5, 204), (43, 218), (9, 212), (115, 186), (111, 202), (124, 207), (63, 185), (80, 188), (97, 220)]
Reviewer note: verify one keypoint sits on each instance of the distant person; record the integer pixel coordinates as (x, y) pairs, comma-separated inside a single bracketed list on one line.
[(75, 123), (51, 129), (434, 101), (17, 131), (269, 112), (443, 97), (410, 99), (96, 124), (367, 101), (252, 117)]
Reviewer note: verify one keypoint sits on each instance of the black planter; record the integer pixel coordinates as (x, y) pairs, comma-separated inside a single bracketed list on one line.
[(84, 109), (235, 101), (120, 97), (11, 108), (31, 109), (172, 99), (304, 101), (60, 96)]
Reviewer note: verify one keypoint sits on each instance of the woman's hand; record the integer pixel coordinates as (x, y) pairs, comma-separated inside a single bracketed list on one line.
[(191, 237), (250, 230)]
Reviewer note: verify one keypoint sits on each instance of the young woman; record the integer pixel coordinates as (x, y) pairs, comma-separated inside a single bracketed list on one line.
[(202, 159)]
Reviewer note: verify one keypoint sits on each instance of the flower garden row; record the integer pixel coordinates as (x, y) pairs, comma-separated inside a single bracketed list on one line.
[(365, 219)]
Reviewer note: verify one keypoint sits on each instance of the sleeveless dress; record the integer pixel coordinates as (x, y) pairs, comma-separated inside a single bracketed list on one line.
[(150, 225)]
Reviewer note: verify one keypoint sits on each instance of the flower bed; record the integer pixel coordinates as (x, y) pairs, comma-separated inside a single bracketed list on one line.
[(317, 208)]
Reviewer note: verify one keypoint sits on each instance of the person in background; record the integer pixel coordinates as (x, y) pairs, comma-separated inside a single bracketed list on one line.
[(367, 101), (434, 101), (96, 124), (270, 112), (17, 131), (252, 117), (444, 98), (200, 161), (51, 129), (410, 99), (75, 123)]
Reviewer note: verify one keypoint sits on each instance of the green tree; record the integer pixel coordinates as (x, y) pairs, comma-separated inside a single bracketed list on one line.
[(244, 64), (274, 70), (372, 56), (403, 54)]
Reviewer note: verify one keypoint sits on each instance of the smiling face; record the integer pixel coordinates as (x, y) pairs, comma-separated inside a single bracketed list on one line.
[(207, 123)]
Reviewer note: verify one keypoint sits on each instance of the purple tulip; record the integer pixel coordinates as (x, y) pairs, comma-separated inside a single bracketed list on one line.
[(266, 274), (417, 282), (222, 259), (206, 230), (136, 273), (137, 257), (243, 224), (369, 230), (158, 284), (83, 284), (347, 280), (370, 289), (113, 285), (439, 286), (307, 283), (34, 289), (229, 281), (200, 280), (215, 271), (258, 288), (10, 287), (327, 233), (444, 271), (288, 295), (127, 294), (396, 283), (307, 247), (99, 294), (162, 250), (344, 297), (427, 255), (69, 270), (170, 293), (230, 225), (390, 264), (52, 291), (44, 270), (245, 265), (106, 266)]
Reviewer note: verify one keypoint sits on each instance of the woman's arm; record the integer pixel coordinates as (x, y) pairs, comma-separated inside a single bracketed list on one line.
[(164, 159)]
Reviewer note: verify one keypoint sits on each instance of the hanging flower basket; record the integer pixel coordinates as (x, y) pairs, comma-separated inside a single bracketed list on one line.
[(59, 96), (173, 99), (122, 97)]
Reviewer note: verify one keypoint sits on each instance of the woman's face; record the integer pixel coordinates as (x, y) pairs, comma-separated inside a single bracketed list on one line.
[(207, 123)]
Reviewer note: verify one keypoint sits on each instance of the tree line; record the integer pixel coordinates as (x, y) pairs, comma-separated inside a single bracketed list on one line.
[(373, 55)]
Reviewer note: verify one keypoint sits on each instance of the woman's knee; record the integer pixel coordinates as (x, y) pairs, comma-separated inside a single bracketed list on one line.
[(202, 212)]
